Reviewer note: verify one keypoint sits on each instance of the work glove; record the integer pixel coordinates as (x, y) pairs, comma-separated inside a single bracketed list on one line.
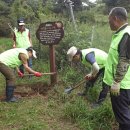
[(89, 76), (38, 74), (115, 88), (20, 74)]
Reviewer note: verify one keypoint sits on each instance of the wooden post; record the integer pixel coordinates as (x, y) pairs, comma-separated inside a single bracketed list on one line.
[(52, 64)]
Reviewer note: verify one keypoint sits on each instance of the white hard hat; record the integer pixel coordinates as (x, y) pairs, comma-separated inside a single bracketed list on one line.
[(71, 52)]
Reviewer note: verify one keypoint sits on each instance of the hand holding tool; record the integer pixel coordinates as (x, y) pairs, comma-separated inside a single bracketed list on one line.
[(89, 76), (38, 74), (20, 74)]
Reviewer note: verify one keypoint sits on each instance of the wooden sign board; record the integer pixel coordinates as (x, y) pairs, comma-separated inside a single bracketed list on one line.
[(50, 33)]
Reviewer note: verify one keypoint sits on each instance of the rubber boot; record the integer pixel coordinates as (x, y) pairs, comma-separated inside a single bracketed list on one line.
[(10, 94), (102, 97), (98, 103), (103, 94)]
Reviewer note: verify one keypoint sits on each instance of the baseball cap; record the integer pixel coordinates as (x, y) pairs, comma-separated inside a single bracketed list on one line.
[(20, 21), (33, 52), (71, 52)]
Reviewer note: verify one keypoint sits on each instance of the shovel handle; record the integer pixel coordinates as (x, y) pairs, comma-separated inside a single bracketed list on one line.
[(77, 85), (52, 73)]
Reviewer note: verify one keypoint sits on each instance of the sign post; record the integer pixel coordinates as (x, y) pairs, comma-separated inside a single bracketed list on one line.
[(50, 33), (52, 64)]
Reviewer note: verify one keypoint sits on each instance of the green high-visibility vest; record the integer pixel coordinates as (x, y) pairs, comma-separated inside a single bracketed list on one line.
[(11, 57), (100, 56), (22, 39), (112, 61)]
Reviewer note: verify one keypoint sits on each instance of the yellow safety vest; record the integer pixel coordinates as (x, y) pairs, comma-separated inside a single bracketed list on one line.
[(10, 57), (112, 61), (22, 39)]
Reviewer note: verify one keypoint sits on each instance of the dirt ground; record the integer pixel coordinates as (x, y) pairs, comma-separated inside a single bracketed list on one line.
[(32, 89), (28, 90)]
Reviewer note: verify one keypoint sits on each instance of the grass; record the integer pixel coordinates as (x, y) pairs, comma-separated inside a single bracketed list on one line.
[(34, 113), (16, 116), (5, 43)]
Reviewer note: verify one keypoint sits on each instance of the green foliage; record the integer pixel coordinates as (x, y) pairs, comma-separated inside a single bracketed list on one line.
[(4, 9), (5, 44), (71, 75), (102, 37), (115, 3), (4, 19), (22, 9), (4, 29), (86, 17)]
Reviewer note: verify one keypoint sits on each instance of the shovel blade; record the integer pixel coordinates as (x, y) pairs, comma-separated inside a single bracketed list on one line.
[(68, 90)]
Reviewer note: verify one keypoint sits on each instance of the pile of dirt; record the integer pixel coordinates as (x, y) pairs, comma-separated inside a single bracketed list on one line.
[(27, 90)]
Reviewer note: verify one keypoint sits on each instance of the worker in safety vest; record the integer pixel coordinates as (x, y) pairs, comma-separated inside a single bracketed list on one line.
[(22, 39), (95, 58), (117, 70), (11, 59)]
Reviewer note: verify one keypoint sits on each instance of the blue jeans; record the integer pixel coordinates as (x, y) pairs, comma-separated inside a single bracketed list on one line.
[(21, 67)]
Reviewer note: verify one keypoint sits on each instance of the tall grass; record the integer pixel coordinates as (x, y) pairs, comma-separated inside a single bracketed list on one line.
[(80, 112)]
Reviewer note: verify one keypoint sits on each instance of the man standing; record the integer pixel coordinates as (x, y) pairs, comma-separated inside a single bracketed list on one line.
[(95, 58), (22, 39), (117, 70), (11, 59)]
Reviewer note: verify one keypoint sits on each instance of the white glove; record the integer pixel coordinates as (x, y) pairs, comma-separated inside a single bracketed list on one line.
[(89, 76), (115, 88)]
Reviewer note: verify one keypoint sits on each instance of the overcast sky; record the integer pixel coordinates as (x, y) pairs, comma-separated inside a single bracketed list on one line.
[(92, 0)]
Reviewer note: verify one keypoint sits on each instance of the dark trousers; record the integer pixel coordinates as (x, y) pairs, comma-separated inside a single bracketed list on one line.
[(105, 87), (92, 81), (121, 108), (103, 93), (10, 81), (8, 74)]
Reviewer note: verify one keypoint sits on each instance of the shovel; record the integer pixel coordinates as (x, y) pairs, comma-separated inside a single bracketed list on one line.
[(52, 73), (69, 89)]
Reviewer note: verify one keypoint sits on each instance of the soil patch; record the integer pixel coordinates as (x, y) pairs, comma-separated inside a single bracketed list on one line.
[(26, 90)]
